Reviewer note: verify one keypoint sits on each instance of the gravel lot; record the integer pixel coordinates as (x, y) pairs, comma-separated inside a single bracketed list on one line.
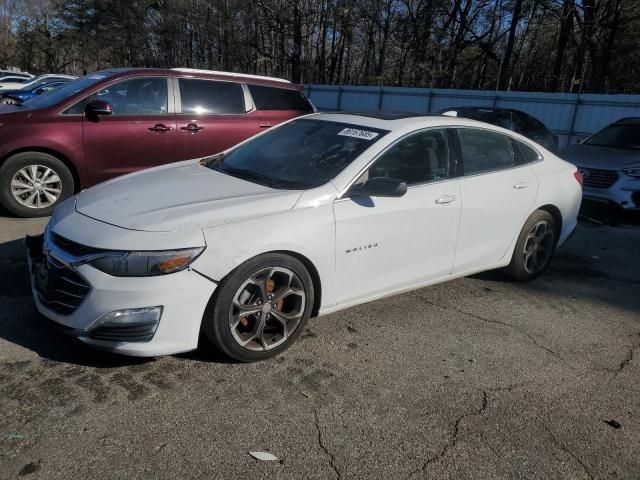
[(476, 378)]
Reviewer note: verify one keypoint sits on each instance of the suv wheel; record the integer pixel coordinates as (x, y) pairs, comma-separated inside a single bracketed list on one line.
[(33, 183), (260, 308)]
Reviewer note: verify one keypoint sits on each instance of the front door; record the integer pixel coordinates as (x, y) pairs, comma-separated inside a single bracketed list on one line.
[(385, 244), (212, 117), (138, 134)]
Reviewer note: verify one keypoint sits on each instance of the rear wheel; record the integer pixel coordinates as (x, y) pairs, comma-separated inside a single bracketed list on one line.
[(534, 248), (33, 183), (260, 308)]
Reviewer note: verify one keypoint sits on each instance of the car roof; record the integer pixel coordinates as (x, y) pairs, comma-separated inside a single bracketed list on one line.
[(210, 74), (398, 121), (482, 109), (628, 121)]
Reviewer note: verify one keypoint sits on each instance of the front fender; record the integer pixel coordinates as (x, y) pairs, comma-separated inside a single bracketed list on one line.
[(309, 232)]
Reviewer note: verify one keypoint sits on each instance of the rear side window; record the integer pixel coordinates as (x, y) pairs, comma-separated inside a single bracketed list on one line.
[(524, 153), (271, 98), (484, 151), (211, 97)]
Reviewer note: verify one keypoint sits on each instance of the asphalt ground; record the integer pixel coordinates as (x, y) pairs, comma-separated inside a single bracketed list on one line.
[(478, 378)]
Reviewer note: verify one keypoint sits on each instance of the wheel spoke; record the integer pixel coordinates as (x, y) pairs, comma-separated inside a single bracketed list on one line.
[(50, 197), (34, 172), (53, 178), (18, 184)]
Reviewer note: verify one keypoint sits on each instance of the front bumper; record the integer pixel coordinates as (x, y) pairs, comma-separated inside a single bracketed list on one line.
[(182, 296), (625, 193)]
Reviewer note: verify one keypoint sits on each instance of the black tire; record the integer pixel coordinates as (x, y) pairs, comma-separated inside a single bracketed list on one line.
[(217, 319), (520, 268), (19, 161)]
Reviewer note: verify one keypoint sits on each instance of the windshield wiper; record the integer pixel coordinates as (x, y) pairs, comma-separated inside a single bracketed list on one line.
[(250, 175)]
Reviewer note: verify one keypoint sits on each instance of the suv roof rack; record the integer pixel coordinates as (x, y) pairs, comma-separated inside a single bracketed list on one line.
[(230, 74)]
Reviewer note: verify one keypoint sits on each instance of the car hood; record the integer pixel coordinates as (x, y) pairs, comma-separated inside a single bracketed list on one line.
[(179, 197), (593, 156)]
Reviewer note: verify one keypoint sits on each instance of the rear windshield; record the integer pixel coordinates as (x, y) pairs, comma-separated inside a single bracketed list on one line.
[(63, 92), (299, 155), (618, 136)]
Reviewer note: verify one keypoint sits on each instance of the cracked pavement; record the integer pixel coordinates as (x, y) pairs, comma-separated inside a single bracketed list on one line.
[(475, 378)]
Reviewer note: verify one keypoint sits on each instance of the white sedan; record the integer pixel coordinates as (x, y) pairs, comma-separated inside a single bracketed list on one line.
[(317, 215)]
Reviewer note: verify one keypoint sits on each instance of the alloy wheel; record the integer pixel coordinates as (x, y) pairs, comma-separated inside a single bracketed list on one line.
[(36, 186), (538, 247), (267, 308)]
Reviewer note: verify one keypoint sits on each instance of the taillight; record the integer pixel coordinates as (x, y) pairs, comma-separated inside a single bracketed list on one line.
[(578, 176)]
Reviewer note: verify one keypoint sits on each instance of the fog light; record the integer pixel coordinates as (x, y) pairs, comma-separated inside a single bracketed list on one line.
[(127, 325)]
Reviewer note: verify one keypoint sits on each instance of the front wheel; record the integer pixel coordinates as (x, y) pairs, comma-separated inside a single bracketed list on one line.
[(8, 101), (260, 308), (534, 248), (33, 183)]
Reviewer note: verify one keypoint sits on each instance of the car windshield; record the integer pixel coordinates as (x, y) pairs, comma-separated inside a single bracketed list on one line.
[(618, 136), (302, 154), (63, 92)]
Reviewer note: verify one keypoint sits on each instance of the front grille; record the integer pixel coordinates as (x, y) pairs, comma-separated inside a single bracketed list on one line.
[(60, 289), (135, 332), (598, 178), (73, 248)]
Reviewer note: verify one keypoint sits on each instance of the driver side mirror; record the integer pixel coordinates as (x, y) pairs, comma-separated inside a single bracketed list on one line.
[(39, 91), (98, 107), (380, 187)]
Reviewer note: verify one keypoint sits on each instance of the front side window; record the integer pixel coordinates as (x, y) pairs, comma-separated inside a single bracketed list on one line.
[(420, 158), (137, 96), (618, 136), (271, 98), (211, 97), (301, 154), (484, 151)]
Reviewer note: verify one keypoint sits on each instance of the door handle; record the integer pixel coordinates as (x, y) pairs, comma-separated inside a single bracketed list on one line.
[(265, 125), (521, 185), (444, 199), (192, 127), (159, 128)]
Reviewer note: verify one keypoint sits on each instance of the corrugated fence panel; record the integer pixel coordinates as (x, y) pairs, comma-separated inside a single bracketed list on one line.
[(570, 116)]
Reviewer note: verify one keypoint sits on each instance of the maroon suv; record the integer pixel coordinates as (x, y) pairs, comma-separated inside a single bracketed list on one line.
[(117, 121)]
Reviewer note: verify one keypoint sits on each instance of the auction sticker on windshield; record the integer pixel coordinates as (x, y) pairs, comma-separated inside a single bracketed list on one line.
[(356, 133)]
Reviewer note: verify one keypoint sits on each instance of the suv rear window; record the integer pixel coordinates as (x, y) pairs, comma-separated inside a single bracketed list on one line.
[(211, 97), (272, 98)]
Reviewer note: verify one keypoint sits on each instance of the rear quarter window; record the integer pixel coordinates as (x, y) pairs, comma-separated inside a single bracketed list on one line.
[(273, 98), (524, 153)]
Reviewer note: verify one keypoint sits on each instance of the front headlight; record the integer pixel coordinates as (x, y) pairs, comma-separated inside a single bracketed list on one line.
[(146, 264), (633, 172)]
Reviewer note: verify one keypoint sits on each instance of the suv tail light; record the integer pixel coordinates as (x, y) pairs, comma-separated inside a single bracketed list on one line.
[(578, 176)]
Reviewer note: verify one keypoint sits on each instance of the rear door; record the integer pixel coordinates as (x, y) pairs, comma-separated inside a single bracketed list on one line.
[(275, 105), (213, 115), (139, 134), (496, 193)]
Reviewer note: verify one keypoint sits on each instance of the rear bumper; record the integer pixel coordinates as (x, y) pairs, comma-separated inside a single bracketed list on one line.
[(182, 298)]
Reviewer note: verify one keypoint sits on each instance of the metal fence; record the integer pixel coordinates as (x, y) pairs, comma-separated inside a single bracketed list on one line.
[(569, 116)]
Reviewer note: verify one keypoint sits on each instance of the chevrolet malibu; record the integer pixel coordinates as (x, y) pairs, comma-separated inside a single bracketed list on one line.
[(319, 214)]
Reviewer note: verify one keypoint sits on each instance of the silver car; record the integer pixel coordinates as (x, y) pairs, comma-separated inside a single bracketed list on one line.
[(609, 162)]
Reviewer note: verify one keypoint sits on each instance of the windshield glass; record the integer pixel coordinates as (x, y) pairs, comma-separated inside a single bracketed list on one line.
[(303, 154), (618, 136), (64, 91)]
